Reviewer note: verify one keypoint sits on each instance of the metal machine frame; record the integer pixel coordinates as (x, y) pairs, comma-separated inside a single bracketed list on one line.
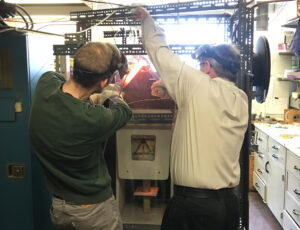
[(240, 28)]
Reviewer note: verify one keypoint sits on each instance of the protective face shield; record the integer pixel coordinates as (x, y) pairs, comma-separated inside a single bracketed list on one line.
[(122, 66), (208, 51), (120, 71)]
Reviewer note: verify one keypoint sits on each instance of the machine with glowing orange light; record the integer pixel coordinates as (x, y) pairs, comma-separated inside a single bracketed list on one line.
[(143, 145), (143, 148), (137, 93), (141, 62)]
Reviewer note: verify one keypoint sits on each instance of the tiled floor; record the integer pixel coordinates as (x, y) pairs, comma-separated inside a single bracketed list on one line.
[(260, 217)]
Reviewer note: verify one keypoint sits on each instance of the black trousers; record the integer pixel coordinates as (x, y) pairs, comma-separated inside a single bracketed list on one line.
[(201, 209)]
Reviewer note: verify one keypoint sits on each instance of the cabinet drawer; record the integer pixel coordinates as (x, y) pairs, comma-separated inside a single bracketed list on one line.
[(293, 185), (288, 223), (276, 151), (260, 186), (259, 165), (293, 164), (292, 207), (262, 141)]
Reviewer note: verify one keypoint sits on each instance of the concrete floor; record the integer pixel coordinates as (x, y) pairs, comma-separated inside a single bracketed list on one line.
[(260, 217)]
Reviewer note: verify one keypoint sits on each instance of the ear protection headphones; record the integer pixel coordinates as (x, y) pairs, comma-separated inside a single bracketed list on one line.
[(208, 51), (122, 66)]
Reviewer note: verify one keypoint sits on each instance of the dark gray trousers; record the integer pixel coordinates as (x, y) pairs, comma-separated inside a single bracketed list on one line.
[(102, 216)]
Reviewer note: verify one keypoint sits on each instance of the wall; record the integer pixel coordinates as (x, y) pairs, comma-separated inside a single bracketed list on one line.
[(278, 95)]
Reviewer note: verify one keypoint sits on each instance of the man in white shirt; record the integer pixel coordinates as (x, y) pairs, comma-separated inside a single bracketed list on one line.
[(211, 122)]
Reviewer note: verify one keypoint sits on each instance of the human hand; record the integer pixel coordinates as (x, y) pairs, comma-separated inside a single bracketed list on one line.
[(158, 89), (111, 91), (140, 13)]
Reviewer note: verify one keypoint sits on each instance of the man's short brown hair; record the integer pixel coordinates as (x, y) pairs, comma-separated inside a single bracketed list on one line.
[(95, 61)]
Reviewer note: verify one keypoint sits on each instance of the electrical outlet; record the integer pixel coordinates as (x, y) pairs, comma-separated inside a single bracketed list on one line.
[(15, 171)]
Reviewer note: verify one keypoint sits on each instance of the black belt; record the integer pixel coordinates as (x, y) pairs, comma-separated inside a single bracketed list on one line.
[(201, 193)]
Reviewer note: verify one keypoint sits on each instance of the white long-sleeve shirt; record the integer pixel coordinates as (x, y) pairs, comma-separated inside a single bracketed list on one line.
[(211, 121)]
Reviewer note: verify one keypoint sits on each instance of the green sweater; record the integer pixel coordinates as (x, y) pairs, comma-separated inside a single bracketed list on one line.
[(68, 136)]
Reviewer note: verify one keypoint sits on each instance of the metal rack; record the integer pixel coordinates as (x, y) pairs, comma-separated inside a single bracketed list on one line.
[(240, 31), (162, 14), (239, 27), (245, 41), (124, 13)]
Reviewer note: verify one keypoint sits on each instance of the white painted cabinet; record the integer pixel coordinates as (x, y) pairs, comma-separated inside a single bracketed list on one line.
[(269, 166), (276, 172), (276, 175), (260, 164), (292, 191), (288, 223)]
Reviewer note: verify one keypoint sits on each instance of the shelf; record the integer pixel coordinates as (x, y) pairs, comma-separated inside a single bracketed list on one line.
[(286, 52), (291, 80), (292, 23)]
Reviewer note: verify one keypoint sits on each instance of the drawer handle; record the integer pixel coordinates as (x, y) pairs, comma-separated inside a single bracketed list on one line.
[(266, 166), (296, 192), (260, 155), (257, 185), (275, 147), (259, 170), (260, 139), (296, 168), (295, 212), (275, 156)]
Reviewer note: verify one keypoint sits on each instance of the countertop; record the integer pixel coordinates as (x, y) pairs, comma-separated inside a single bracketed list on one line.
[(285, 134)]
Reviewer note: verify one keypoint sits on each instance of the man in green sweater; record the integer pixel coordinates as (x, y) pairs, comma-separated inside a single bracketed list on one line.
[(68, 133)]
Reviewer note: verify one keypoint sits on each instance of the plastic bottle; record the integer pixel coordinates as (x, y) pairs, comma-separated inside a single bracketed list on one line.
[(295, 62)]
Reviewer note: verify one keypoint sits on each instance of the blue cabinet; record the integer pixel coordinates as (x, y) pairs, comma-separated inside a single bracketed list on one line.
[(24, 199)]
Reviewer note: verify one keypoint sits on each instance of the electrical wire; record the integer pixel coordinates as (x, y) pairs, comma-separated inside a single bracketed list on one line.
[(28, 15), (280, 11), (27, 30), (114, 37), (94, 1), (22, 13), (40, 32), (117, 32), (6, 30), (7, 9), (266, 2), (2, 22), (103, 20), (143, 100), (53, 25), (24, 19)]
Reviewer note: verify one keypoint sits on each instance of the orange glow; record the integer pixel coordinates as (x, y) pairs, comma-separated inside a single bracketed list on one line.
[(137, 67)]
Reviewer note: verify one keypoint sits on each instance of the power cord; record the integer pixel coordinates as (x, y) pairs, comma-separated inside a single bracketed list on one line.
[(11, 10), (7, 9)]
